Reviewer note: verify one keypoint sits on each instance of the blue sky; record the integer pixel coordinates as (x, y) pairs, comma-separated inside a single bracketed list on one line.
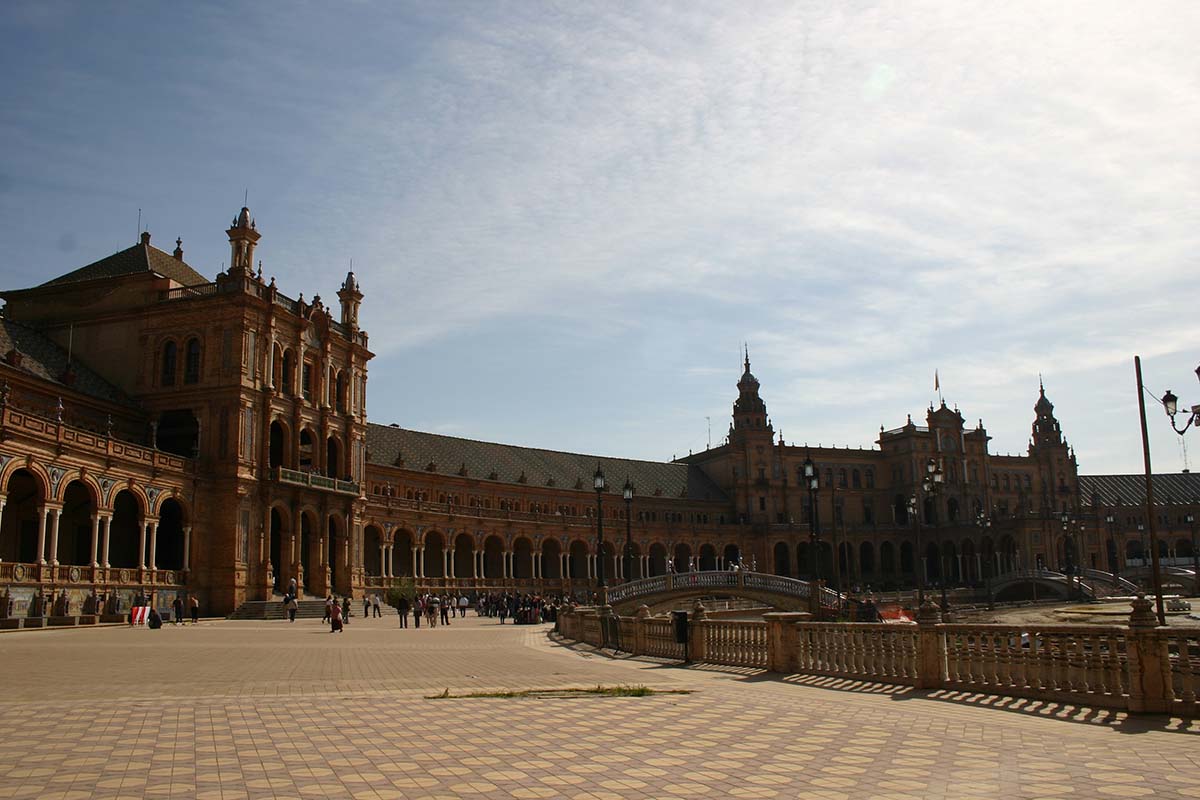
[(566, 218)]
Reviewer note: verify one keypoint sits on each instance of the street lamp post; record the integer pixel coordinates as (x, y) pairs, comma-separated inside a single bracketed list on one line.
[(1190, 519), (984, 521), (932, 484), (919, 561), (1069, 566), (1142, 541), (627, 491), (1114, 554), (598, 484), (813, 482)]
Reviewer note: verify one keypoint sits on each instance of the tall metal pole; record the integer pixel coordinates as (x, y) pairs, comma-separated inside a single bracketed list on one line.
[(600, 538), (1150, 516), (628, 539), (919, 561)]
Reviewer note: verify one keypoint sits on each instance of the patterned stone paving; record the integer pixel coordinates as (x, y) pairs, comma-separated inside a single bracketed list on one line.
[(252, 709)]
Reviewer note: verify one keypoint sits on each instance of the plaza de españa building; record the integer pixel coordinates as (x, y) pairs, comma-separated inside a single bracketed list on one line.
[(164, 433)]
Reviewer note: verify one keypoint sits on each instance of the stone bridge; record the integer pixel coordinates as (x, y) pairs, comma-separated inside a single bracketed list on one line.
[(1044, 582), (784, 594)]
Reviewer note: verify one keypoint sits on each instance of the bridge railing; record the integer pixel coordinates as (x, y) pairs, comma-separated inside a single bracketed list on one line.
[(1137, 667), (718, 580)]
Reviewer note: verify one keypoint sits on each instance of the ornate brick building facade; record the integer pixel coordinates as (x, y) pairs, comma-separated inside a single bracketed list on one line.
[(160, 432)]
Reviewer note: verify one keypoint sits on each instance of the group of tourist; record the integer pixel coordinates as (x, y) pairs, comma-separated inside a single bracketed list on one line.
[(433, 607)]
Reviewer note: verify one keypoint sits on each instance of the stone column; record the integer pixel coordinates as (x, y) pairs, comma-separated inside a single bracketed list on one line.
[(416, 562), (107, 537), (475, 564), (187, 547), (54, 515), (383, 561), (445, 562), (95, 539), (41, 547), (141, 544), (152, 532), (448, 557), (781, 639)]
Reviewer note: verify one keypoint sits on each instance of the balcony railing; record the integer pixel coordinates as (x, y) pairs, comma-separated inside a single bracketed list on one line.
[(313, 481)]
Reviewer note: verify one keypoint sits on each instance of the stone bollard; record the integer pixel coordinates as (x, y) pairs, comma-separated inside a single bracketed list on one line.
[(641, 624), (781, 639), (697, 649), (1147, 682), (930, 658)]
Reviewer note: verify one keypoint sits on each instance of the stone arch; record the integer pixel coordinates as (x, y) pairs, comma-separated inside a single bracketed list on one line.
[(804, 565), (402, 553), (970, 565), (682, 557), (279, 543), (607, 557), (577, 560), (25, 499), (522, 558), (551, 559), (783, 559), (335, 533), (933, 562), (658, 559), (279, 444), (126, 528), (866, 559), (464, 556), (887, 558), (708, 557), (372, 555), (310, 553), (731, 555), (334, 461), (169, 539), (493, 557), (79, 506), (434, 555), (635, 563), (306, 450), (168, 364), (907, 559)]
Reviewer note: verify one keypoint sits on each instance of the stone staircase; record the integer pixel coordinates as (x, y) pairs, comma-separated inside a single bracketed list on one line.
[(307, 609)]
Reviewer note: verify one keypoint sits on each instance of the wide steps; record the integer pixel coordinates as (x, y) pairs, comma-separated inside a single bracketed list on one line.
[(305, 609)]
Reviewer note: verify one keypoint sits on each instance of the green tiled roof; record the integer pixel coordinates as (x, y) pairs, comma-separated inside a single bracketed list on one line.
[(139, 258), (43, 358), (533, 467)]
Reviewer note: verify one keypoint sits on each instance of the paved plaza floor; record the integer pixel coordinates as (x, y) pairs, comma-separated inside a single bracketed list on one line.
[(274, 709)]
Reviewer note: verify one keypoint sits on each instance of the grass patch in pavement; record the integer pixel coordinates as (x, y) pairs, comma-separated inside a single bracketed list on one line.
[(620, 690)]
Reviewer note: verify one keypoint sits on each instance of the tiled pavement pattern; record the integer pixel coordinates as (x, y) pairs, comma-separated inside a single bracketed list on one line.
[(252, 709)]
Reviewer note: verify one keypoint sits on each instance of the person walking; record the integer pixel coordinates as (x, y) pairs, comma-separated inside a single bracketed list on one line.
[(416, 611), (402, 608), (366, 606), (329, 604), (292, 607), (335, 618), (375, 606), (177, 610), (447, 609), (346, 610), (194, 602), (462, 606), (431, 610)]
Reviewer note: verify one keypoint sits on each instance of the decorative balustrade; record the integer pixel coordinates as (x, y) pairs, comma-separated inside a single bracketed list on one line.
[(1070, 663), (870, 651), (1138, 668), (735, 643), (65, 575), (314, 481), (1180, 657)]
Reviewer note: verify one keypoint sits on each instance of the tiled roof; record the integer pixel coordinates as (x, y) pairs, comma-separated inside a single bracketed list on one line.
[(41, 357), (139, 258), (1130, 490), (510, 462)]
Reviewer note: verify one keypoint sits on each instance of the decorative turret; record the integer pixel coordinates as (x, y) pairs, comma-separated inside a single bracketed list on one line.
[(242, 238), (1046, 430), (351, 298), (749, 411)]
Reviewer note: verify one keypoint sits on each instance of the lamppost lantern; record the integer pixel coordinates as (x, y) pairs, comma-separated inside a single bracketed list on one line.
[(810, 471), (627, 491), (598, 483), (1110, 519), (598, 479), (931, 466), (1170, 403), (1188, 518)]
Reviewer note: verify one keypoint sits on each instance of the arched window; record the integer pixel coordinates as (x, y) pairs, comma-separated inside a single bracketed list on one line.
[(170, 357), (870, 479), (855, 479), (191, 366)]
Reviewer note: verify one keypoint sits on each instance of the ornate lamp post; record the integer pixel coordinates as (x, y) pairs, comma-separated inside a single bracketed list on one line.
[(932, 483), (1190, 519), (1114, 555), (627, 491), (1142, 540), (919, 562), (813, 482), (984, 521), (1069, 565), (598, 484)]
